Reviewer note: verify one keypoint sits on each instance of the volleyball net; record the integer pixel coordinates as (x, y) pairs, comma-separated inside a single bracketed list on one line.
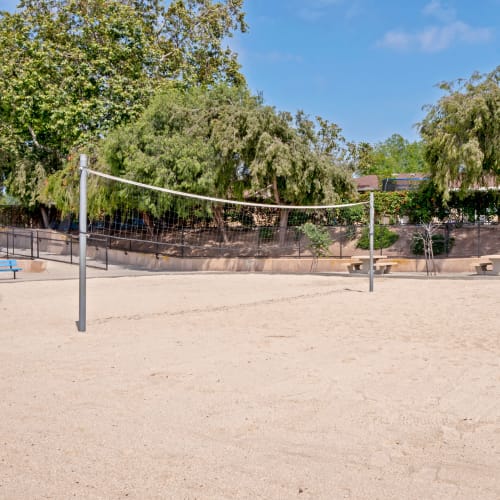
[(168, 222)]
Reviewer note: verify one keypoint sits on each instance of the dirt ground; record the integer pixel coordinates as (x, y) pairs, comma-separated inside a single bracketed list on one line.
[(239, 386)]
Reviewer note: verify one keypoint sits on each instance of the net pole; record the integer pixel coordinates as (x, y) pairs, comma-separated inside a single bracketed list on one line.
[(372, 231), (82, 313)]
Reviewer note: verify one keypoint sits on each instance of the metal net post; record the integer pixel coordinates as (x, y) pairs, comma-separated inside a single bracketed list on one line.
[(83, 245)]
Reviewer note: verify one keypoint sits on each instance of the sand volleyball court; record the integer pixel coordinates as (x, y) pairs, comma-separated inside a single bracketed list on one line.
[(240, 386)]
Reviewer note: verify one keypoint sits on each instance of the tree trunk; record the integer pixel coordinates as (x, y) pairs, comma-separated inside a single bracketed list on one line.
[(283, 214), (149, 223), (283, 225), (219, 219), (45, 217)]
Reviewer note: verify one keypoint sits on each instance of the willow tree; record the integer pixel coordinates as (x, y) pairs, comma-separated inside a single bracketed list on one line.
[(222, 141), (462, 133), (71, 70)]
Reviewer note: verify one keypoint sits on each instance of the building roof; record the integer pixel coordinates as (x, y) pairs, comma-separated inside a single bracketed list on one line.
[(490, 183), (367, 183), (409, 182)]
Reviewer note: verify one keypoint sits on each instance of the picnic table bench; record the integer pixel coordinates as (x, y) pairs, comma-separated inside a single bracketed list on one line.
[(488, 264), (495, 263), (384, 267), (361, 264), (9, 265), (483, 266), (354, 266)]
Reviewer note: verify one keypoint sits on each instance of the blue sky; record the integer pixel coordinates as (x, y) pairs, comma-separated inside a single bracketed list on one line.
[(367, 65)]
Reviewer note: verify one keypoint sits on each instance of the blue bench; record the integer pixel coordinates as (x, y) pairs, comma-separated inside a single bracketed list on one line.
[(9, 265)]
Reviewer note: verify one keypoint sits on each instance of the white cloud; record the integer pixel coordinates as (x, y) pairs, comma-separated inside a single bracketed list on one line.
[(436, 38), (436, 9), (398, 40), (312, 10)]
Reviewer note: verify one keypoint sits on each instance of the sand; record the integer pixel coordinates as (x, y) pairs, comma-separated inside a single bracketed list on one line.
[(220, 386)]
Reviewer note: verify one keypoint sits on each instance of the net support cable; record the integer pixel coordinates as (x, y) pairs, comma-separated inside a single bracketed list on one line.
[(85, 171)]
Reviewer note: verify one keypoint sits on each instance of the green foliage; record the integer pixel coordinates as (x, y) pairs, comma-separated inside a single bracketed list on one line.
[(348, 216), (319, 239), (266, 233), (298, 217), (222, 141), (300, 160), (462, 133), (440, 244), (419, 206), (392, 204), (383, 237), (71, 70), (476, 204), (425, 204), (395, 155)]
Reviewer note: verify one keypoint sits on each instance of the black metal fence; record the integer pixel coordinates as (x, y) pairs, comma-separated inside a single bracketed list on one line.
[(452, 240), (48, 245)]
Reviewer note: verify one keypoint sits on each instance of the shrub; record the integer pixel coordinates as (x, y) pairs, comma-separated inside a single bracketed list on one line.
[(319, 239), (382, 238), (440, 244), (266, 233)]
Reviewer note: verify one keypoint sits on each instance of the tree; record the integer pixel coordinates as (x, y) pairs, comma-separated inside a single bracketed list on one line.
[(462, 133), (71, 70), (222, 141), (319, 241), (394, 155), (188, 139)]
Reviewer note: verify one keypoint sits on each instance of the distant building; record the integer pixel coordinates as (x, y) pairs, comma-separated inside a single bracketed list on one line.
[(403, 182), (411, 182), (398, 182), (490, 183), (367, 183)]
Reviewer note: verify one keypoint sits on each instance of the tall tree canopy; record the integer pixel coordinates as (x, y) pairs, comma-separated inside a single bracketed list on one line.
[(222, 141), (462, 133), (394, 155), (71, 70)]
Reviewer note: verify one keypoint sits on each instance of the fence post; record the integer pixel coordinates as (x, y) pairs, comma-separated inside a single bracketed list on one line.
[(7, 234), (31, 243), (37, 245), (479, 237)]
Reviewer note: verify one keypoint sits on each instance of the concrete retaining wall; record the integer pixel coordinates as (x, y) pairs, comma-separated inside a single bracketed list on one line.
[(32, 266), (269, 265)]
